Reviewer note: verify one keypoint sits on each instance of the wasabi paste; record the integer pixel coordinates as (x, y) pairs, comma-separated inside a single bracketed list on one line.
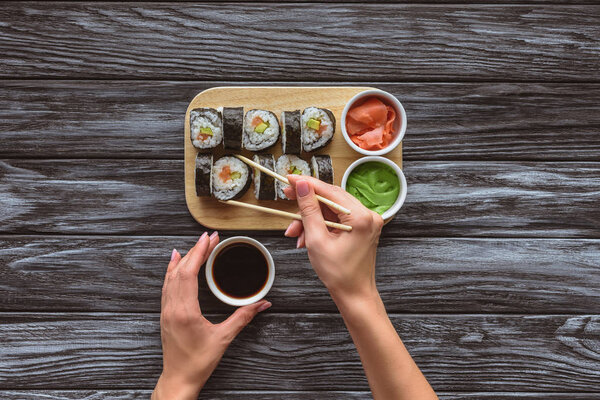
[(375, 185)]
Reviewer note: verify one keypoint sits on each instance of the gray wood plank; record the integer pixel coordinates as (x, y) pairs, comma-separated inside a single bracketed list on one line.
[(306, 352), (441, 2), (373, 42), (421, 275), (446, 121), (287, 395), (444, 198)]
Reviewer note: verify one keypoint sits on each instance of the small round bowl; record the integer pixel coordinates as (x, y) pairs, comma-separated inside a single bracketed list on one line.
[(390, 212), (234, 301), (399, 128)]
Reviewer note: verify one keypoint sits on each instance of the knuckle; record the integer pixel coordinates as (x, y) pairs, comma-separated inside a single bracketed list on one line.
[(377, 221), (364, 220), (247, 318), (181, 318)]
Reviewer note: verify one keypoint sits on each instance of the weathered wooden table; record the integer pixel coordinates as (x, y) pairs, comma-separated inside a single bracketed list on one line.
[(491, 272)]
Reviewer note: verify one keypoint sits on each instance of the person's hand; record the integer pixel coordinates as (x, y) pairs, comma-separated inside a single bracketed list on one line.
[(344, 261), (192, 346)]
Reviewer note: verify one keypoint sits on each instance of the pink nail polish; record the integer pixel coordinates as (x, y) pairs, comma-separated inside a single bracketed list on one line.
[(173, 254), (214, 235), (203, 236), (298, 243), (302, 188), (287, 231), (264, 307)]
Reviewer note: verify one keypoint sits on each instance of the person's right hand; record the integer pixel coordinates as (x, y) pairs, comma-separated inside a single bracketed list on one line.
[(344, 261)]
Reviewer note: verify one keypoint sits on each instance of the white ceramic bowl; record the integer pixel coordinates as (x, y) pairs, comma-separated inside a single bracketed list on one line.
[(233, 301), (390, 212), (399, 127)]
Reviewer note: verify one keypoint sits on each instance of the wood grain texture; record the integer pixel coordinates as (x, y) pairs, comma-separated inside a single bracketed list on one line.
[(446, 121), (127, 394), (210, 212), (444, 198), (306, 352), (421, 275), (372, 42)]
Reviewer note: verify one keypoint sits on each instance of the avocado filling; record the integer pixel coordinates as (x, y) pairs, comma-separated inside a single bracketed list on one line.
[(260, 128), (206, 131), (313, 124), (294, 170)]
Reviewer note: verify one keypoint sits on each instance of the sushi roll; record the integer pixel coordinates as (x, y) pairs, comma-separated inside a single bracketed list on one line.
[(289, 164), (233, 127), (205, 128), (318, 126), (291, 135), (261, 130), (322, 168), (230, 178), (264, 185), (203, 174)]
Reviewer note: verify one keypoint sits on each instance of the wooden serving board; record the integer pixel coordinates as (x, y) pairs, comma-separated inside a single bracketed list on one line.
[(214, 215)]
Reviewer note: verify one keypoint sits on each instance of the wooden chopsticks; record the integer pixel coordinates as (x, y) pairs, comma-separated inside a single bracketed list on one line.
[(283, 179), (286, 214)]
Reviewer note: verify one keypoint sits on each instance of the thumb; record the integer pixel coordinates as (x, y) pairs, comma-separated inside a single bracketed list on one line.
[(233, 325), (312, 217)]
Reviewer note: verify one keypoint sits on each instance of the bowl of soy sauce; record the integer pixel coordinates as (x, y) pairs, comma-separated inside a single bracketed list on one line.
[(240, 271)]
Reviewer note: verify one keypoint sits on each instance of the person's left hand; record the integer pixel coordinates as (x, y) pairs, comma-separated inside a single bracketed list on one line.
[(192, 346)]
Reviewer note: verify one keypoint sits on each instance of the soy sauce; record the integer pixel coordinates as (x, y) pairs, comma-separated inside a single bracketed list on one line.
[(240, 270)]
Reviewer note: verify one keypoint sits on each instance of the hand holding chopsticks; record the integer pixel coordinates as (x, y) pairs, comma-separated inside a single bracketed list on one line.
[(285, 180)]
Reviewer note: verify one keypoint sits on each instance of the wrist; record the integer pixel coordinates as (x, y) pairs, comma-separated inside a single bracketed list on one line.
[(172, 388), (358, 306)]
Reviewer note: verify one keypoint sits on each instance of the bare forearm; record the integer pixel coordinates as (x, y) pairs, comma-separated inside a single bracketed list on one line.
[(390, 370)]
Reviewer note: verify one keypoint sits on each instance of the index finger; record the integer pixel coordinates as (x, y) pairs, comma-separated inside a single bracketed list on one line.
[(184, 284)]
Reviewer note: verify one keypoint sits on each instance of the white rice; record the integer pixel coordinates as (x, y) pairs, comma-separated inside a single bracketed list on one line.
[(206, 118), (283, 166), (311, 139), (227, 190), (257, 141)]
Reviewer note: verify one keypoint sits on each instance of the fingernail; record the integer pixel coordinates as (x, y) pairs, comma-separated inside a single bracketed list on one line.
[(264, 307), (214, 235), (287, 231), (173, 254), (302, 188), (298, 243), (203, 236)]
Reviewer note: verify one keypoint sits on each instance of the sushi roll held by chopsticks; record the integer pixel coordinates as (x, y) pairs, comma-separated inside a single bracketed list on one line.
[(288, 164), (230, 178)]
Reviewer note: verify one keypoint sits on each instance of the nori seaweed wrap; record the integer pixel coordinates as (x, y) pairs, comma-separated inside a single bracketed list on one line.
[(322, 168), (203, 174), (264, 185), (233, 127), (291, 138)]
